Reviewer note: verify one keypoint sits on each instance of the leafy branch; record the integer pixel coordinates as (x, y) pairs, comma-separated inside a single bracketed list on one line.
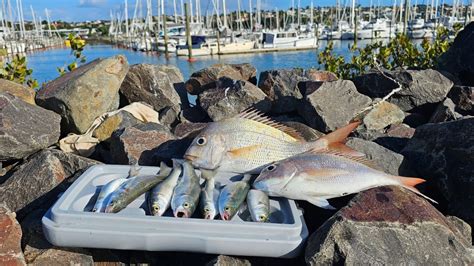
[(77, 45), (17, 71)]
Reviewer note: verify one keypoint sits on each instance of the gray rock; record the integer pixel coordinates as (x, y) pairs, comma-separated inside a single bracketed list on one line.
[(386, 160), (25, 128), (444, 112), (206, 78), (319, 103), (443, 154), (191, 130), (176, 78), (422, 88), (38, 251), (39, 180), (194, 114), (320, 75), (138, 144), (459, 59), (147, 83), (223, 260), (463, 99), (23, 92), (281, 86), (115, 122), (84, 94), (396, 137), (232, 97), (10, 238), (389, 225), (382, 116)]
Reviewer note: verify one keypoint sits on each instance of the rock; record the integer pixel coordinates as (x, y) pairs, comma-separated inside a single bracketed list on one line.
[(10, 238), (383, 115), (84, 94), (320, 75), (115, 122), (147, 83), (444, 112), (20, 91), (223, 260), (232, 97), (463, 99), (318, 104), (386, 160), (206, 78), (25, 128), (308, 133), (138, 144), (188, 130), (38, 251), (389, 225), (443, 154), (40, 179), (396, 137), (194, 114), (459, 59), (422, 88), (281, 86), (177, 79), (415, 119)]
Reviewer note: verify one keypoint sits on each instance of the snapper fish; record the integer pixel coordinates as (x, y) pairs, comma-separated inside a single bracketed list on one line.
[(250, 141), (318, 176)]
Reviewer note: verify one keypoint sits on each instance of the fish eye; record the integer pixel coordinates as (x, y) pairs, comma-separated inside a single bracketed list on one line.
[(227, 208), (201, 141), (207, 210), (262, 217), (271, 167), (186, 205)]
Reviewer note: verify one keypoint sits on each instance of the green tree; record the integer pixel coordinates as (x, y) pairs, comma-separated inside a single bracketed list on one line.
[(17, 71)]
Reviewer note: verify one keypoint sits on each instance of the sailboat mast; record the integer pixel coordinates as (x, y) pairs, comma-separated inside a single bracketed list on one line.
[(225, 13), (126, 18), (250, 15), (174, 12)]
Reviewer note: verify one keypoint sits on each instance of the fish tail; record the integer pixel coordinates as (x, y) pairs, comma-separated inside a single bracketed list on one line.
[(340, 135), (410, 183), (335, 140)]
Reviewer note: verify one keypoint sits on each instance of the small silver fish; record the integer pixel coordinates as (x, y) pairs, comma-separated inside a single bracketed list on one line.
[(132, 188), (186, 194), (231, 197), (159, 197), (209, 198), (259, 205), (316, 177), (105, 193)]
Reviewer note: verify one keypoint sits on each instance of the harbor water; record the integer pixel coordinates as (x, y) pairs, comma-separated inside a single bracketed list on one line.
[(45, 63)]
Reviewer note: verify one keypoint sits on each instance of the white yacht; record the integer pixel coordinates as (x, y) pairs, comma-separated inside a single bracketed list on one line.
[(288, 39), (378, 29)]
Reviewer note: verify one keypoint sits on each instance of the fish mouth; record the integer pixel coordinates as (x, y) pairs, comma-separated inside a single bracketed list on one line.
[(190, 157), (226, 216), (181, 214)]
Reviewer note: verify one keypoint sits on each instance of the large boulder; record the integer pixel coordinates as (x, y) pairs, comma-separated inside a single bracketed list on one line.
[(138, 144), (21, 91), (177, 79), (385, 159), (10, 238), (113, 123), (232, 97), (444, 154), (206, 78), (445, 111), (147, 83), (25, 128), (39, 180), (82, 95), (459, 59), (382, 116), (463, 99), (322, 97), (422, 89), (390, 225), (281, 86)]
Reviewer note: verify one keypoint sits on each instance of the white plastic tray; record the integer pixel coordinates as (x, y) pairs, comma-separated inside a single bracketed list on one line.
[(69, 223)]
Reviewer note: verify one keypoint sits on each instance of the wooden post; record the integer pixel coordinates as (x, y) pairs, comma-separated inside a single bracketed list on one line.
[(165, 35), (188, 34), (218, 42), (355, 27)]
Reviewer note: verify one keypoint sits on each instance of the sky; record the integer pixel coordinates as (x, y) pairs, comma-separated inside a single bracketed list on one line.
[(82, 10)]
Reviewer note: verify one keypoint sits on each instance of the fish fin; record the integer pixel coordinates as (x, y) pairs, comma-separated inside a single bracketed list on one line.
[(339, 135), (320, 202), (357, 158), (253, 114), (410, 183), (244, 151), (134, 170), (342, 148)]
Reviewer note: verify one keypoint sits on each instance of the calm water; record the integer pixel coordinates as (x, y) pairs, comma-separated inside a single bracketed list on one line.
[(44, 63)]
